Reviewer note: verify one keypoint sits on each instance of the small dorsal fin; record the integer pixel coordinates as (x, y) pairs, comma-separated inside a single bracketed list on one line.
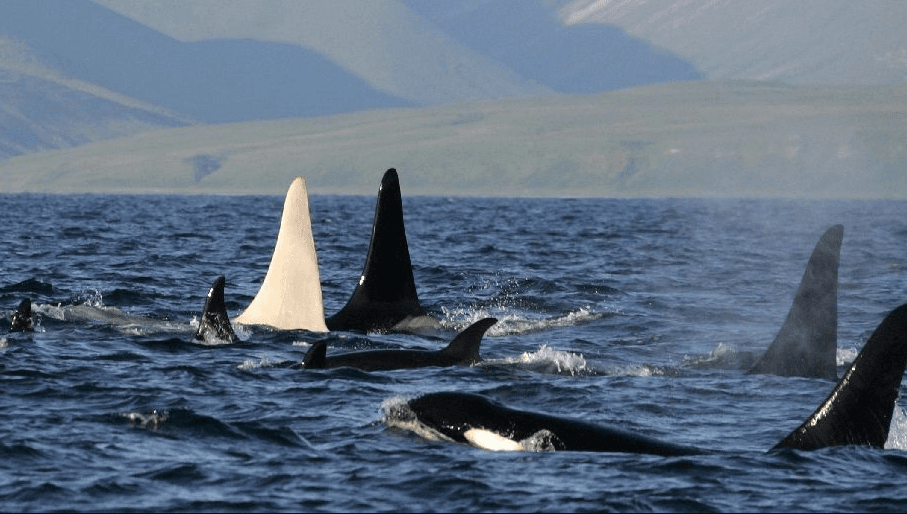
[(23, 321), (316, 356), (290, 295), (386, 293), (859, 409), (214, 321), (465, 346), (807, 343)]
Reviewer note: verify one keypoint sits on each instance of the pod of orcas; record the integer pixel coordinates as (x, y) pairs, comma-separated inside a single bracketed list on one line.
[(857, 412)]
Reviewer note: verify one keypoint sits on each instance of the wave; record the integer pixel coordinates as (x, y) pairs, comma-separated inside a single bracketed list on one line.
[(511, 323)]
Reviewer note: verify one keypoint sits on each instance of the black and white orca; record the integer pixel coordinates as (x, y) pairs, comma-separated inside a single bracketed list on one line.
[(807, 343), (857, 412), (463, 350)]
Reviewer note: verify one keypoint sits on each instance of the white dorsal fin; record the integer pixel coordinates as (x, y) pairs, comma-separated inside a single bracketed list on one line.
[(290, 296)]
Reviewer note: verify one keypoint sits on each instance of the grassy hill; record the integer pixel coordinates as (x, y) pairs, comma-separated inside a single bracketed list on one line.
[(697, 139)]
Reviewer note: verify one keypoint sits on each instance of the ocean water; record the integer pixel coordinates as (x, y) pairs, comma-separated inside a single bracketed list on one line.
[(639, 313)]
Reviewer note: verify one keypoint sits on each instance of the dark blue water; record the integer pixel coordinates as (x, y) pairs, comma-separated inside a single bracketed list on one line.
[(639, 313)]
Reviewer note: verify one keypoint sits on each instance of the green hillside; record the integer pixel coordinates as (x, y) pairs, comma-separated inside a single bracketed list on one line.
[(684, 139)]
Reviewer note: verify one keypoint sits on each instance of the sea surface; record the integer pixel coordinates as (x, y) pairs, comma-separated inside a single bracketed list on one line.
[(643, 314)]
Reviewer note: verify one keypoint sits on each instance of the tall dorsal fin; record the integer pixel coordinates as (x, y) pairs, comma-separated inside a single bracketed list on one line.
[(807, 343), (386, 293), (214, 321), (290, 295), (23, 321), (859, 409), (465, 346)]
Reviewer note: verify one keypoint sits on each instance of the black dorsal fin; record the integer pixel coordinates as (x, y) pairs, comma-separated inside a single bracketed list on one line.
[(214, 321), (859, 409), (465, 346), (23, 321), (807, 343), (316, 356), (386, 293)]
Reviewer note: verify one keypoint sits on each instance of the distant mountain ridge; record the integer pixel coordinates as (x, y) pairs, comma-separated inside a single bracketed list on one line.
[(79, 71)]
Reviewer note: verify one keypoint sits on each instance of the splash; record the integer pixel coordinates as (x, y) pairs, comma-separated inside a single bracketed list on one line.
[(844, 356), (548, 360), (897, 431), (510, 323), (265, 362), (152, 420)]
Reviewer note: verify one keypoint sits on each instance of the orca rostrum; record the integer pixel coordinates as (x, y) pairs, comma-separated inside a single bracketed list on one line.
[(463, 350), (858, 412)]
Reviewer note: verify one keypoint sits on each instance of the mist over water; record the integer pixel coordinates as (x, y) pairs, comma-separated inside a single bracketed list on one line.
[(637, 313)]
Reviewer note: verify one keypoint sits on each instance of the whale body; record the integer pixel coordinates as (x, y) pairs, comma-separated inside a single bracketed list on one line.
[(857, 412), (463, 350)]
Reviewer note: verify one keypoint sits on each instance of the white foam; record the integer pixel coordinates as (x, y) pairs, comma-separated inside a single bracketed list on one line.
[(897, 431), (546, 357), (844, 356), (515, 323), (264, 362)]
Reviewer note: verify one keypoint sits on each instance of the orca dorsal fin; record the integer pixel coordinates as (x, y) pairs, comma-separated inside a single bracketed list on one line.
[(23, 321), (290, 295), (386, 293), (214, 321), (807, 343), (859, 409), (465, 346), (316, 357)]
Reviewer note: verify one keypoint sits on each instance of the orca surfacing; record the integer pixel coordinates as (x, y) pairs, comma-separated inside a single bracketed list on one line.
[(857, 412), (463, 350)]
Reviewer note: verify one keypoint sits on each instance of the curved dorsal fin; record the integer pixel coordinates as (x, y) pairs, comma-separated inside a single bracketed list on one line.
[(386, 293), (859, 409), (465, 346), (316, 356), (807, 343), (290, 295), (214, 321)]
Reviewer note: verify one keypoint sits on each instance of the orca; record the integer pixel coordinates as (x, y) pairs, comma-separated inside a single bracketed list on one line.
[(463, 350), (290, 295), (385, 299), (23, 320), (858, 412), (807, 343), (214, 322)]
